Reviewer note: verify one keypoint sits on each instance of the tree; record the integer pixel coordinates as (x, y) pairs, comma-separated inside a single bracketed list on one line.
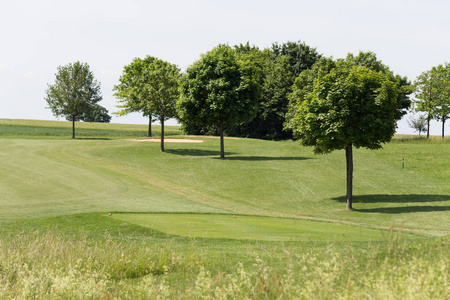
[(149, 85), (300, 56), (442, 108), (74, 93), (96, 114), (346, 103), (419, 124), (219, 89), (433, 94)]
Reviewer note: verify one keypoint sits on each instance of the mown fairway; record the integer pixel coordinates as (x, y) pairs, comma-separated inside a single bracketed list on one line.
[(46, 177), (187, 196)]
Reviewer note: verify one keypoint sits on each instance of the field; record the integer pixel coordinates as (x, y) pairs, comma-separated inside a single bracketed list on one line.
[(105, 216)]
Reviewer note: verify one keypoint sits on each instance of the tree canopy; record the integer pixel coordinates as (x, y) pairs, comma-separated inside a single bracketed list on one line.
[(150, 86), (432, 94), (278, 67), (352, 102), (97, 114), (74, 93), (219, 89)]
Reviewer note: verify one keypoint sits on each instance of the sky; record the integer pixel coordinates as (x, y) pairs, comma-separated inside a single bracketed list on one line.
[(36, 37)]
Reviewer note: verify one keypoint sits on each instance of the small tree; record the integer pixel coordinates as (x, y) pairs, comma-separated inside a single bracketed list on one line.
[(419, 124), (149, 85), (219, 89), (442, 108), (349, 103), (429, 93), (74, 93)]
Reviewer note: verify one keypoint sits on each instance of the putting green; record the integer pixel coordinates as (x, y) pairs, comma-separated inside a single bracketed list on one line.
[(251, 227)]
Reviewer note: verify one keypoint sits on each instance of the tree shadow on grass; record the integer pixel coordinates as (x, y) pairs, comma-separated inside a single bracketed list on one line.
[(380, 198), (216, 155), (413, 199), (404, 209), (92, 139), (193, 152), (264, 158)]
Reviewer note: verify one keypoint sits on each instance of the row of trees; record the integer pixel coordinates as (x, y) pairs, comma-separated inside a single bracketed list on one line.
[(332, 105), (246, 90), (432, 98), (325, 103)]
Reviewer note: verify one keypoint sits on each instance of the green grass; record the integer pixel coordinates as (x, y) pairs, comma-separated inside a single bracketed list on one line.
[(10, 128), (252, 228), (172, 230)]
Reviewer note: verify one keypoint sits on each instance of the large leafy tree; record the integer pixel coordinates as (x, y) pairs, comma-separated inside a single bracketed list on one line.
[(74, 93), (278, 66), (352, 102), (300, 56), (150, 86), (219, 89), (276, 80)]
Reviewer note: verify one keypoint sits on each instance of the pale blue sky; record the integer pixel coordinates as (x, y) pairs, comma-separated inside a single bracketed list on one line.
[(38, 36)]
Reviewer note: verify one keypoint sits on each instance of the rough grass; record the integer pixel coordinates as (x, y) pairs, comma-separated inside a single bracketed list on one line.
[(52, 266)]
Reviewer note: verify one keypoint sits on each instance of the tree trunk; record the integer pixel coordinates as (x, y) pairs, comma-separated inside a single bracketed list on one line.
[(428, 127), (443, 125), (349, 157), (222, 150), (162, 134), (149, 126), (73, 127)]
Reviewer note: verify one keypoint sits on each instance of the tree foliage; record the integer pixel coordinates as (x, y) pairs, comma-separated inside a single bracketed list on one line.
[(432, 95), (419, 124), (300, 56), (74, 93), (352, 102), (150, 86), (96, 114), (278, 67), (219, 89)]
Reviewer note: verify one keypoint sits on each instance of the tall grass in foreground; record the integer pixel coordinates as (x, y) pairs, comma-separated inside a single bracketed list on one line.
[(53, 266)]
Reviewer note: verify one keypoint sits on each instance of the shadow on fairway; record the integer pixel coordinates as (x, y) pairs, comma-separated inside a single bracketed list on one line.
[(193, 152), (404, 209), (263, 158), (399, 199), (395, 198), (92, 139)]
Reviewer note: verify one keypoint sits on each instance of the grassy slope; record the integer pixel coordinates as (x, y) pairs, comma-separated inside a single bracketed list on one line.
[(53, 244), (42, 177)]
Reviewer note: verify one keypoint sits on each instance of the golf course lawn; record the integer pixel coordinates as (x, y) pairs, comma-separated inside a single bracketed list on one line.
[(252, 227), (108, 215)]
